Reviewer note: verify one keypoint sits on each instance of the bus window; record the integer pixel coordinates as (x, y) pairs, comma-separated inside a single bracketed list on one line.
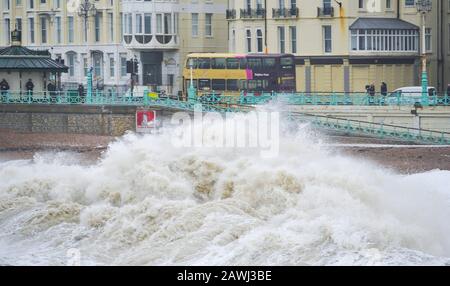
[(243, 84), (286, 61), (232, 64), (204, 84), (218, 63), (218, 84), (194, 62), (204, 63), (269, 62), (257, 84), (254, 63), (188, 83), (232, 85), (243, 64)]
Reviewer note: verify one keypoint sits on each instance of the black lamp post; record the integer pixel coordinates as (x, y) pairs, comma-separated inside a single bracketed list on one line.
[(86, 10)]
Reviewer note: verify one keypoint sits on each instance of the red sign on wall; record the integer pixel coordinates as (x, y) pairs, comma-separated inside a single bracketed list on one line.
[(145, 120)]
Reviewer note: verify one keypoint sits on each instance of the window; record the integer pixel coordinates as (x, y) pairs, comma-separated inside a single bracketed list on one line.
[(384, 40), (167, 24), (208, 25), (7, 31), (98, 64), (204, 84), (281, 40), (232, 64), (259, 41), (148, 24), (123, 65), (19, 24), (71, 63), (58, 30), (85, 65), (31, 30), (112, 64), (233, 40), (6, 5), (98, 20), (218, 84), (269, 63), (194, 24), (18, 2), (138, 22), (70, 29), (409, 3), (232, 84), (428, 45), (31, 4), (248, 42), (43, 30), (361, 4), (254, 63), (204, 63), (327, 44), (111, 26), (293, 34), (219, 63), (388, 4)]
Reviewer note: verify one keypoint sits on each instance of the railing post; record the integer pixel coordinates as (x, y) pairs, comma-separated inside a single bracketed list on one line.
[(89, 86)]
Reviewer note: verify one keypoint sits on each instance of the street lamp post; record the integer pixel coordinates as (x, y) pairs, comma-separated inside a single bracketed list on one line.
[(86, 10), (424, 7)]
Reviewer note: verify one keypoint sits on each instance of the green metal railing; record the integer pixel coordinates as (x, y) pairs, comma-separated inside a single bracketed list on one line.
[(143, 98), (379, 130), (244, 103)]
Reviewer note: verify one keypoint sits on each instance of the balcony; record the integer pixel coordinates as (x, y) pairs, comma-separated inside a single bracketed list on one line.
[(325, 11), (285, 13), (231, 14), (253, 13), (144, 41)]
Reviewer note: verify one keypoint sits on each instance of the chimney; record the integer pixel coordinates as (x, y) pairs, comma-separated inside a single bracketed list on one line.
[(16, 38)]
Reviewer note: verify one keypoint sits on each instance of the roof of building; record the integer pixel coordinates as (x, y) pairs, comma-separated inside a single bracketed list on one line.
[(21, 58), (382, 24)]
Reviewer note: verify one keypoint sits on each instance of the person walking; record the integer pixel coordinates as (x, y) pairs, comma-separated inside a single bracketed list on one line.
[(29, 86), (52, 92), (448, 95), (4, 88), (81, 95), (383, 89)]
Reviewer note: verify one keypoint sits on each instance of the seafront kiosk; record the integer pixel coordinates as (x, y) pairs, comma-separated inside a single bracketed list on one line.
[(19, 64)]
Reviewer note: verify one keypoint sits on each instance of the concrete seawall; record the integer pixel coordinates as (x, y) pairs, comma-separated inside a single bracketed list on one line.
[(98, 120), (116, 120)]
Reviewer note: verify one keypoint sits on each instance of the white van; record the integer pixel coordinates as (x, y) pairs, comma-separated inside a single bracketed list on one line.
[(409, 95)]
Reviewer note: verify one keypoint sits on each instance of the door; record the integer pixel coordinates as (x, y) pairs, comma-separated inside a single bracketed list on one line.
[(152, 74)]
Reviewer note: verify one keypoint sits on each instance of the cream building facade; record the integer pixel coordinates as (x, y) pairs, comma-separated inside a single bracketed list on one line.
[(49, 24), (157, 33), (341, 46)]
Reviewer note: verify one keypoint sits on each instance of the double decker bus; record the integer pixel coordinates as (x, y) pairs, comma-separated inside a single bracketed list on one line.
[(229, 74)]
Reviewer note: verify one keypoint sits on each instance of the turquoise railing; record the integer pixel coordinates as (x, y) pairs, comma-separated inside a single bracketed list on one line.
[(379, 130), (244, 103), (333, 99)]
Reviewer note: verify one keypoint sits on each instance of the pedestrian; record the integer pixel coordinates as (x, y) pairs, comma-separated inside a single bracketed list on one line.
[(29, 86), (81, 95), (4, 88), (372, 90), (52, 92), (448, 94), (383, 89)]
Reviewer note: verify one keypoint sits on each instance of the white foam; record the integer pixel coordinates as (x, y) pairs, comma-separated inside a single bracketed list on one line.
[(147, 202)]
